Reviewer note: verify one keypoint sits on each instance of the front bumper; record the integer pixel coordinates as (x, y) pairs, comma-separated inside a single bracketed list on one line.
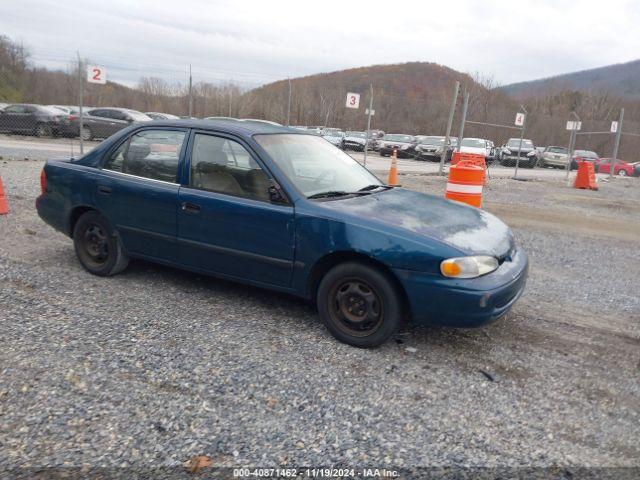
[(407, 152), (437, 300)]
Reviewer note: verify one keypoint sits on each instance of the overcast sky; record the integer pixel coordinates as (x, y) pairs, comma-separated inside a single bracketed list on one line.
[(257, 42)]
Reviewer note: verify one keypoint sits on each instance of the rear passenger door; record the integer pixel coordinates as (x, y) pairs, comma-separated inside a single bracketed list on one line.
[(137, 191), (227, 223)]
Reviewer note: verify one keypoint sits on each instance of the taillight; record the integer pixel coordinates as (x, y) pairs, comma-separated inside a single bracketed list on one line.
[(43, 182), (72, 118)]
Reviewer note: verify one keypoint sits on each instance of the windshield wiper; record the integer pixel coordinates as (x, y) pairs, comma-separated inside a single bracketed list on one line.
[(373, 187), (335, 193)]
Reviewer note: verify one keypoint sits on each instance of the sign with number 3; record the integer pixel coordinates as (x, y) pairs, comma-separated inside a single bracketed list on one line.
[(96, 74), (353, 100)]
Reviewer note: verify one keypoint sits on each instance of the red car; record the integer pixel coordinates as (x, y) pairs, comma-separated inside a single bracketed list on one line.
[(621, 167)]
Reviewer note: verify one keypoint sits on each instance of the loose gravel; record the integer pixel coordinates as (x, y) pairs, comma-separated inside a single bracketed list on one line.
[(154, 366)]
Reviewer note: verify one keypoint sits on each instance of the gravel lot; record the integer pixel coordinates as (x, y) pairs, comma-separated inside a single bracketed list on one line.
[(154, 366)]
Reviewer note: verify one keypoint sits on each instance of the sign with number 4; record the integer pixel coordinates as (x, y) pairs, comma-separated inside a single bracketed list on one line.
[(96, 74), (353, 100), (519, 119)]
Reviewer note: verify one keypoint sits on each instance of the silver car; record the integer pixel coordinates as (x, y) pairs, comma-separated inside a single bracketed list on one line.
[(554, 157)]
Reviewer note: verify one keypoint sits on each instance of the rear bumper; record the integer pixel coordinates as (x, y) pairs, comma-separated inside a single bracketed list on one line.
[(436, 300)]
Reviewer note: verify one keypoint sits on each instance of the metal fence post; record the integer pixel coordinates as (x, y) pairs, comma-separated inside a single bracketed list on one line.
[(463, 120), (367, 133), (616, 144), (524, 125), (190, 93), (447, 138), (81, 101), (572, 141), (289, 102)]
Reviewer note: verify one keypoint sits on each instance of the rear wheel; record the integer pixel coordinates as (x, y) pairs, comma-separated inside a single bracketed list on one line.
[(359, 304), (622, 173), (86, 134), (43, 130), (97, 246)]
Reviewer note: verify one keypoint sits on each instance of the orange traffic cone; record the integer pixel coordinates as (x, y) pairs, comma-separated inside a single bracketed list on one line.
[(393, 170), (4, 206), (586, 177)]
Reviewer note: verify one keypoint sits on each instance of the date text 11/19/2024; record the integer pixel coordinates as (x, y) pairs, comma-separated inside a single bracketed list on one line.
[(315, 473)]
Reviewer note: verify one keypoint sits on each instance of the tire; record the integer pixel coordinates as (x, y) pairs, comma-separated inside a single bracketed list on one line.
[(532, 163), (98, 246), (43, 130), (622, 173), (382, 154), (356, 286), (86, 134)]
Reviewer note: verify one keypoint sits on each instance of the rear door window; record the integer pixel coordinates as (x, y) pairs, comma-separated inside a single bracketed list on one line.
[(153, 154)]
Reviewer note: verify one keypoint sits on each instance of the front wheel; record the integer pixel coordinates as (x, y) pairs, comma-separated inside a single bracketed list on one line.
[(622, 173), (97, 246), (359, 304)]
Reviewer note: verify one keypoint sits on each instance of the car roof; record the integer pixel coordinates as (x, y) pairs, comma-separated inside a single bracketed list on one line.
[(231, 126)]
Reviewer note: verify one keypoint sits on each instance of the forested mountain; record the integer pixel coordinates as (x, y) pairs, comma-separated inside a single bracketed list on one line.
[(408, 98), (622, 79)]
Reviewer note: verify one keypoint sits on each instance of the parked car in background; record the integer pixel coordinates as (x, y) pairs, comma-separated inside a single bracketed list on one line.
[(509, 153), (431, 148), (583, 156), (355, 141), (553, 156), (3, 105), (621, 168), (161, 116), (374, 139), (104, 122), (403, 144), (38, 120), (284, 210), (335, 136), (480, 146)]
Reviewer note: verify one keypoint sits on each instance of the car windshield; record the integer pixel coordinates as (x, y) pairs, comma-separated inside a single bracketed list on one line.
[(439, 141), (515, 142), (314, 165), (473, 142), (138, 116), (585, 154), (356, 134), (558, 150), (398, 138)]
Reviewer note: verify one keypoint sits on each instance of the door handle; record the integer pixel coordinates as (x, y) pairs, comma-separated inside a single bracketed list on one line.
[(104, 190), (189, 207)]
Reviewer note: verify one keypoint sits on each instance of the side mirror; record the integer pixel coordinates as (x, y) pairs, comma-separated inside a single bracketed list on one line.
[(276, 195)]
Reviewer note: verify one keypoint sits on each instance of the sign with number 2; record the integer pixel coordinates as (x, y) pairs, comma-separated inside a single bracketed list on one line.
[(96, 74)]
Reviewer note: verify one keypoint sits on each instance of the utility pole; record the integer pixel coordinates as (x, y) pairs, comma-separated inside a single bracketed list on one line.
[(447, 138), (81, 101), (463, 120), (289, 102), (230, 95), (190, 93), (524, 125), (616, 144), (368, 132), (572, 141)]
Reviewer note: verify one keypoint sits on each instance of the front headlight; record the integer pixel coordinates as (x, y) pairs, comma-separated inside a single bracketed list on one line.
[(468, 267), (404, 147), (506, 151)]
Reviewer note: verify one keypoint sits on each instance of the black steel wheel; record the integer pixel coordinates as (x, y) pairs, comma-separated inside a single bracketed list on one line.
[(359, 304), (97, 246)]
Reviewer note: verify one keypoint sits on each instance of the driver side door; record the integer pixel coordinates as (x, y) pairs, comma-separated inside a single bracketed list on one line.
[(227, 223)]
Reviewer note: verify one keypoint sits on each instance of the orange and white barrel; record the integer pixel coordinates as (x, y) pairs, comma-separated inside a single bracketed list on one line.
[(465, 184)]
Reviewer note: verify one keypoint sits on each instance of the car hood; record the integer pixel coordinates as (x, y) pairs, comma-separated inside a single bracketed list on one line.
[(426, 217)]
